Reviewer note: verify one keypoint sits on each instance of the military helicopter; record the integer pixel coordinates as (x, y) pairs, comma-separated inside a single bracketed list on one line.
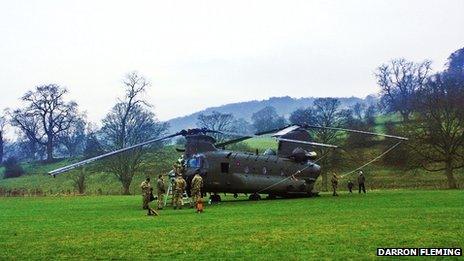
[(291, 171)]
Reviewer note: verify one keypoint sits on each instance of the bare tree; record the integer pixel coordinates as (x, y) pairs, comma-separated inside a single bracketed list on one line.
[(455, 64), (93, 146), (45, 116), (267, 119), (216, 121), (399, 82), (73, 139), (28, 149), (79, 180), (129, 122), (359, 111), (302, 116), (326, 114), (361, 118), (2, 137), (437, 134), (242, 126)]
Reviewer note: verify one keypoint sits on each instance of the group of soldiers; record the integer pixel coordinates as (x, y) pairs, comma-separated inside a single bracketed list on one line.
[(178, 185), (361, 183)]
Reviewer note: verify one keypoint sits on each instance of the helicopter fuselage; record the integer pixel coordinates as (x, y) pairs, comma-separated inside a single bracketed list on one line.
[(241, 172)]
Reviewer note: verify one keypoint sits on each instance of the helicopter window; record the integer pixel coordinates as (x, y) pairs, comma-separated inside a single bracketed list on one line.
[(195, 162), (264, 170), (224, 167)]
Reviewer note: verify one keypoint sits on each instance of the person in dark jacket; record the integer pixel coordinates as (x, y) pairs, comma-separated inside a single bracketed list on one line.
[(334, 181), (350, 186), (361, 181)]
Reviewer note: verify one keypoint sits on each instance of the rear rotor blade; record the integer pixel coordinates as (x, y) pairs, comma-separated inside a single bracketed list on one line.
[(243, 136), (277, 133), (274, 130), (87, 161), (354, 131), (285, 130)]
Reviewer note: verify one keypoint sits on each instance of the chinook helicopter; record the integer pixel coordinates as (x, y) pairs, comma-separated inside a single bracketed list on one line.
[(291, 171)]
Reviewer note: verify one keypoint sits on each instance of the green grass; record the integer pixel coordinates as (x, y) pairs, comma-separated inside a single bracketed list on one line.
[(114, 227), (262, 143)]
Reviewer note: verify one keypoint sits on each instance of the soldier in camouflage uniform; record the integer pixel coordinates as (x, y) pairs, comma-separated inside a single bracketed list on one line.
[(176, 171), (145, 186), (334, 181), (179, 188), (197, 184), (161, 189)]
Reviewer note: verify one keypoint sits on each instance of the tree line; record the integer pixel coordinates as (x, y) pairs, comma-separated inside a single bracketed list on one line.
[(430, 106)]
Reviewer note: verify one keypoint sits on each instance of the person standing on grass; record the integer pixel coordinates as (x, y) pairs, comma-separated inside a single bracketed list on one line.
[(350, 186), (179, 189), (161, 189), (145, 186), (334, 181), (361, 181), (197, 185)]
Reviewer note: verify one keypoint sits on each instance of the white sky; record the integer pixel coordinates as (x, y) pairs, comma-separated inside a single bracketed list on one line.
[(206, 53)]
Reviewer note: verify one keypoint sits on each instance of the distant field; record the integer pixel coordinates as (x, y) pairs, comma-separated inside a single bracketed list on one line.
[(345, 227)]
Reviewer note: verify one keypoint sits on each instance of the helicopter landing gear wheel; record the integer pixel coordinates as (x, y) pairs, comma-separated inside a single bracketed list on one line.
[(255, 196), (215, 198), (235, 195)]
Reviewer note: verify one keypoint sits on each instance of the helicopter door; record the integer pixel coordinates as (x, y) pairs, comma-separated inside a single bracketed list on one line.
[(225, 174), (218, 178)]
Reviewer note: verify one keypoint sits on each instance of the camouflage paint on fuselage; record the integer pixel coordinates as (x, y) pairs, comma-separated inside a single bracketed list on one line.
[(240, 172)]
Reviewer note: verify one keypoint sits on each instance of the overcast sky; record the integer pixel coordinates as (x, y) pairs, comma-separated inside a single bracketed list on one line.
[(199, 54)]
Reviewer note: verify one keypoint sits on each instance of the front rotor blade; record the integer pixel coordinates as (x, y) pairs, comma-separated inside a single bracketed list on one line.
[(87, 161), (309, 143), (354, 131)]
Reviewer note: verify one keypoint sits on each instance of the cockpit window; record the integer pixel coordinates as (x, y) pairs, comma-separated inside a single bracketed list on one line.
[(195, 162)]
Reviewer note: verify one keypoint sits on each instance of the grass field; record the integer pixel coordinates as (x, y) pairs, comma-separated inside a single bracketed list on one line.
[(349, 226)]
